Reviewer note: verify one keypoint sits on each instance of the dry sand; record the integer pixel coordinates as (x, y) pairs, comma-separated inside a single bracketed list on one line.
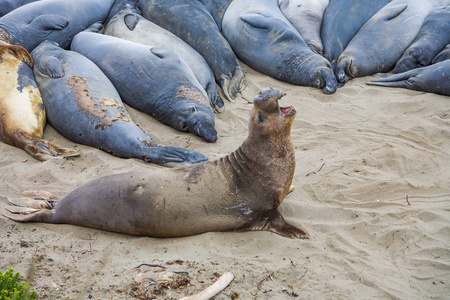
[(372, 187)]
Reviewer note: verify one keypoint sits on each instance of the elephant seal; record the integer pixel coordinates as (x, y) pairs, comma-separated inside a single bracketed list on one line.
[(241, 191), (7, 6), (83, 106), (380, 43), (306, 17), (22, 112), (130, 25), (190, 21), (118, 6), (217, 9), (263, 39), (433, 78), (341, 21), (431, 39), (173, 97), (53, 20), (443, 55)]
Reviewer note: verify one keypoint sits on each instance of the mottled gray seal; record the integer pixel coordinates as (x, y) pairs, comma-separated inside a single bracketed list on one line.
[(173, 97), (241, 191), (130, 25), (22, 112), (53, 20), (431, 39), (306, 17), (191, 21), (83, 106), (341, 21), (265, 40), (433, 78), (380, 43)]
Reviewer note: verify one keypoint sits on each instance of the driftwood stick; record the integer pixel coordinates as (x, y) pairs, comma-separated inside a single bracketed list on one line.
[(214, 289)]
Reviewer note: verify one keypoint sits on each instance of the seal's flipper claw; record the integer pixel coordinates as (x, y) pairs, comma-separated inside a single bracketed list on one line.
[(283, 228), (22, 214), (224, 82), (216, 102), (41, 195), (239, 80), (44, 150), (21, 210), (30, 203)]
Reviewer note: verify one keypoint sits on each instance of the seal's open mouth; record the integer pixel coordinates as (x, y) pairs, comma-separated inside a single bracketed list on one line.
[(288, 111)]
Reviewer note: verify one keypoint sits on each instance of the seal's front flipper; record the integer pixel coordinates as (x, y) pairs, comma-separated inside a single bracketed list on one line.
[(51, 66), (30, 203), (169, 156), (238, 81), (50, 22), (395, 11), (95, 28), (280, 226), (44, 150), (328, 82), (18, 51)]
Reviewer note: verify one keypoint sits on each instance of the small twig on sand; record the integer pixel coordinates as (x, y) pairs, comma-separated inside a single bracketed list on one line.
[(315, 172), (214, 289), (407, 200), (149, 265), (258, 286)]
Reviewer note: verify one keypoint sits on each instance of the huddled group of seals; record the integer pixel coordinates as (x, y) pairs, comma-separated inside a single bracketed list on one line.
[(164, 58)]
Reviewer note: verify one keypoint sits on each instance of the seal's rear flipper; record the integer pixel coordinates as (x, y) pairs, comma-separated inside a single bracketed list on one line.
[(41, 195), (280, 226), (30, 203), (22, 214), (169, 156), (44, 150), (399, 80)]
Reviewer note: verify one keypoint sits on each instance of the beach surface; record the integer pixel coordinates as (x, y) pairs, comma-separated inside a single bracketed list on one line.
[(372, 188)]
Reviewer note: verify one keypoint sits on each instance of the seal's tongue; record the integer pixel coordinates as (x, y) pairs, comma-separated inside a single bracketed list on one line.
[(285, 111)]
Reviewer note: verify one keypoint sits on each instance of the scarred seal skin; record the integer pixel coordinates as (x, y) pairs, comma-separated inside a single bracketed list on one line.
[(241, 191), (22, 112), (53, 20), (306, 17), (83, 106), (152, 80), (380, 43), (130, 25), (191, 21), (433, 78), (265, 40), (341, 21), (431, 39)]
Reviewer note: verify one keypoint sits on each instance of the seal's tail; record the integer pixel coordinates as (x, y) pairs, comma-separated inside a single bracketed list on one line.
[(36, 206), (44, 150)]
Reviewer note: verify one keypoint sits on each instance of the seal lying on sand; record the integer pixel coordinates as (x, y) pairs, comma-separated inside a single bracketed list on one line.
[(380, 43), (306, 17), (341, 21), (128, 24), (433, 78), (173, 97), (190, 21), (52, 20), (22, 112), (241, 191), (431, 39), (83, 106), (265, 40)]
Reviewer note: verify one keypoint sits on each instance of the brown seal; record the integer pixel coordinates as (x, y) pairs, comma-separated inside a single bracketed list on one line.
[(22, 112), (241, 191)]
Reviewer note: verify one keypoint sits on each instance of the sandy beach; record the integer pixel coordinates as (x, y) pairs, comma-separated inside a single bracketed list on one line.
[(372, 188)]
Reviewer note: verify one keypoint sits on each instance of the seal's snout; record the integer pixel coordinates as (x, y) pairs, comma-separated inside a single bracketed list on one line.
[(267, 93)]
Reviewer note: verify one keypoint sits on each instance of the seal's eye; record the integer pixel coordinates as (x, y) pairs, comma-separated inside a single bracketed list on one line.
[(260, 118)]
